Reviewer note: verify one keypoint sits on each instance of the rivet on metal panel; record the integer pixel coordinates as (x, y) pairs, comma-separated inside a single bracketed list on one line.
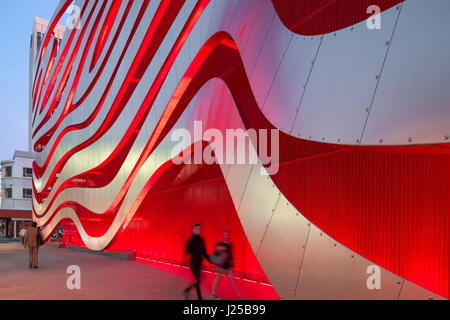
[(377, 77), (339, 140), (446, 137), (335, 244), (310, 137), (357, 140), (335, 34), (309, 224), (387, 43), (410, 139), (321, 234), (367, 109), (398, 8), (430, 298), (304, 87), (399, 281), (380, 140), (352, 256), (351, 29), (323, 138)]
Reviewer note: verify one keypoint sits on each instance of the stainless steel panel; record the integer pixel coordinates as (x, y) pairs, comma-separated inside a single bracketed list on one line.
[(245, 28), (412, 99), (342, 82), (236, 181), (332, 271), (240, 12), (257, 205), (257, 36), (269, 60), (219, 14), (281, 251), (284, 96), (411, 291)]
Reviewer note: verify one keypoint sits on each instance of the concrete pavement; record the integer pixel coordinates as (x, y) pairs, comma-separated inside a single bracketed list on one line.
[(103, 278)]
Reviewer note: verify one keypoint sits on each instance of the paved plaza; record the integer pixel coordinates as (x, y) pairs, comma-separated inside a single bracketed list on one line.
[(103, 277)]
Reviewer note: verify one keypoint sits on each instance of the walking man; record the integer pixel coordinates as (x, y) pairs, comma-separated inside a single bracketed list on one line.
[(196, 248), (31, 241)]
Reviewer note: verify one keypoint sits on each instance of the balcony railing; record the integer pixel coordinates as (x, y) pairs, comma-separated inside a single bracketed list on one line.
[(19, 204)]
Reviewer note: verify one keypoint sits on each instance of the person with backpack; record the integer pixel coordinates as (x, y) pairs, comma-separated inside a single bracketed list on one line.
[(223, 259), (33, 240)]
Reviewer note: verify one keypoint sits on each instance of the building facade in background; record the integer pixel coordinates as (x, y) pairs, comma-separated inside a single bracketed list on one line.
[(37, 36), (17, 192), (362, 112)]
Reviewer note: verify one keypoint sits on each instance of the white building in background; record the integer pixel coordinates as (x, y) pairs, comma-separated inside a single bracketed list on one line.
[(37, 37), (17, 192)]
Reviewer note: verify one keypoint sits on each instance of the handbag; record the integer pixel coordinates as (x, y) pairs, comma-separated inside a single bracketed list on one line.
[(220, 258)]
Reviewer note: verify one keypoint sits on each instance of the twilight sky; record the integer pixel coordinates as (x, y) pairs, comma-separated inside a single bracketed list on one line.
[(16, 23)]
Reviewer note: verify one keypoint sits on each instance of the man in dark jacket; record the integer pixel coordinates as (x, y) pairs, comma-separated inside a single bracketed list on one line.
[(196, 248)]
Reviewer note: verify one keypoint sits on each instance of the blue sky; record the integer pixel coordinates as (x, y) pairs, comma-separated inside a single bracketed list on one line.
[(16, 23)]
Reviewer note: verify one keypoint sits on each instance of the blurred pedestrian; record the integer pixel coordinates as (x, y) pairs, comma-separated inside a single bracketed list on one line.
[(196, 248), (32, 240), (223, 259)]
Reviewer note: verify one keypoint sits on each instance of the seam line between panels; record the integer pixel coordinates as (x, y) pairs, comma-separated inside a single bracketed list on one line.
[(245, 188), (381, 72), (301, 262), (276, 73), (306, 84), (268, 224), (400, 291), (261, 49), (253, 26), (236, 4)]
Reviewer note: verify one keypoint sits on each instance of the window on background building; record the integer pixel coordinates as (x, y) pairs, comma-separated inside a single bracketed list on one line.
[(27, 193), (7, 172), (27, 172), (39, 38), (6, 193)]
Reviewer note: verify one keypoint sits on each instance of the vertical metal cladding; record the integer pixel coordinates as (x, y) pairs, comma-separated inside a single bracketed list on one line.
[(105, 105)]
